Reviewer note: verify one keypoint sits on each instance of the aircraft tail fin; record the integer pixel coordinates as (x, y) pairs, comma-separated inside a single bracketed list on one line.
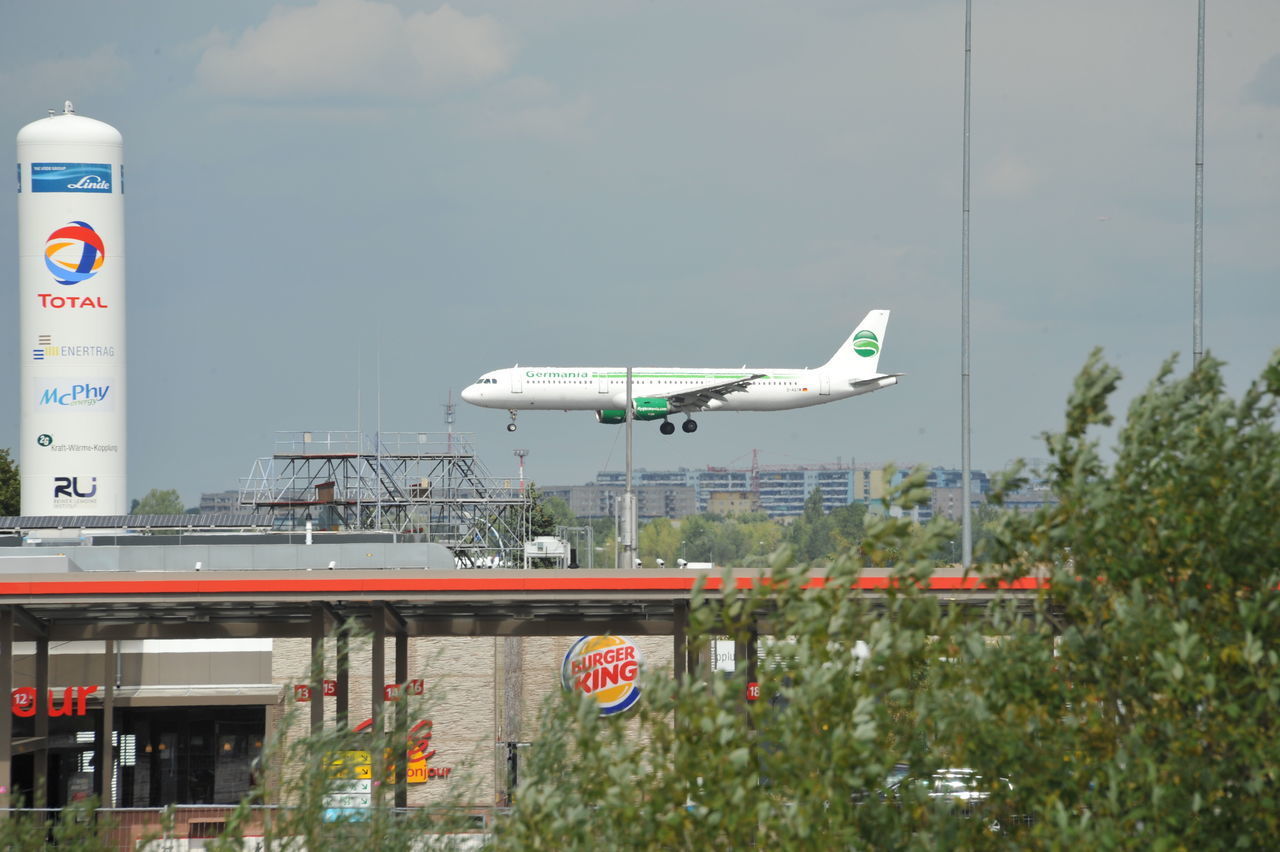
[(859, 356)]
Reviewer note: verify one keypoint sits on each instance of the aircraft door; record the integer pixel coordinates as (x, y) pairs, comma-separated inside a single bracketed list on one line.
[(824, 386), (602, 383), (517, 382)]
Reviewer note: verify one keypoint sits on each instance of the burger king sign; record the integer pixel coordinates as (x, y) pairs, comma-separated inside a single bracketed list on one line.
[(605, 667)]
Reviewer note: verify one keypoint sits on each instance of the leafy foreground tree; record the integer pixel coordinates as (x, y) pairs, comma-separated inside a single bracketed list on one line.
[(10, 486), (323, 803), (1132, 705), (334, 788), (74, 827), (315, 790)]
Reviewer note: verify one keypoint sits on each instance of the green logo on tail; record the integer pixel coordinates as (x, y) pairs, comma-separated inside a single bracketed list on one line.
[(866, 344)]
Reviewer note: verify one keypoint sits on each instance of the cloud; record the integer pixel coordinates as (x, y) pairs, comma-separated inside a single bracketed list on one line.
[(360, 48), (1007, 177), (100, 71), (1265, 86), (529, 107)]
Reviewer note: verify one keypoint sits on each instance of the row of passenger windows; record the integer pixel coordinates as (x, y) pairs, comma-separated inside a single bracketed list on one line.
[(622, 381), (633, 381)]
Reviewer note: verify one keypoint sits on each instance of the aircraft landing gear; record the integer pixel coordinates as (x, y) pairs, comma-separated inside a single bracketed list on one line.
[(689, 425), (511, 427), (667, 427)]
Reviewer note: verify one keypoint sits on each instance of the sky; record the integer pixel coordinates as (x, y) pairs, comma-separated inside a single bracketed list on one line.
[(341, 211)]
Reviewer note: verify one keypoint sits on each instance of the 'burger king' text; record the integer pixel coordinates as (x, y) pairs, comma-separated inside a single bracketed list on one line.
[(600, 669)]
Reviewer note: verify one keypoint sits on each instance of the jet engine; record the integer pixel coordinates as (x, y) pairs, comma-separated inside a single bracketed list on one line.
[(644, 408)]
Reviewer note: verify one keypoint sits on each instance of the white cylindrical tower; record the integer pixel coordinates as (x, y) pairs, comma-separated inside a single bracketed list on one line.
[(71, 309)]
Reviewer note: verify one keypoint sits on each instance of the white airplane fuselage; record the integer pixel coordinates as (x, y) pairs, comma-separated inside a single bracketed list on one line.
[(595, 388), (658, 393)]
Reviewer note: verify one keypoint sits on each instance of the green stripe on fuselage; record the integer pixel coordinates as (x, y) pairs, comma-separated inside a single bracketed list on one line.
[(730, 376)]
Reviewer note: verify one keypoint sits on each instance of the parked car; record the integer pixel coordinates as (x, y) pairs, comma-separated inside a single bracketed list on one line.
[(961, 790)]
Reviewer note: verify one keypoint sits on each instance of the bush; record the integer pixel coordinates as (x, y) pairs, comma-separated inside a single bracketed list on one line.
[(1131, 704)]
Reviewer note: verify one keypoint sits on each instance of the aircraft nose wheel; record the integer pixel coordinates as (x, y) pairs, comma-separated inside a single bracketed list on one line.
[(511, 427), (689, 425), (667, 427)]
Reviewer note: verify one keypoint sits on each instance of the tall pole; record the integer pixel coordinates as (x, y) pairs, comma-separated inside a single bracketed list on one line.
[(966, 513), (1197, 274), (627, 524)]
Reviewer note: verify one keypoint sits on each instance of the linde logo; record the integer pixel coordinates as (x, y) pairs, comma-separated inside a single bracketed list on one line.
[(49, 300), (70, 486), (80, 395), (70, 177), (91, 182)]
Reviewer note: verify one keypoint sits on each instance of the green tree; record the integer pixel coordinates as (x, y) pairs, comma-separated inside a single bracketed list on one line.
[(1131, 702), (157, 502), (699, 537), (10, 485), (1164, 581), (711, 538), (547, 512), (848, 526), (659, 539), (811, 533)]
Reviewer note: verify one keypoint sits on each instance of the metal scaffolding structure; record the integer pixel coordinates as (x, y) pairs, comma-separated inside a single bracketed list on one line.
[(430, 485)]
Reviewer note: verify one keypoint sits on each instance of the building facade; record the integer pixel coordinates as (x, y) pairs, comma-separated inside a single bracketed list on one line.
[(778, 491)]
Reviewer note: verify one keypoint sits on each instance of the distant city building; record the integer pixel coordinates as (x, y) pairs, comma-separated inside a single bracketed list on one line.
[(945, 477), (1029, 500), (780, 491), (777, 490), (727, 503), (948, 502), (946, 486), (599, 500), (216, 502)]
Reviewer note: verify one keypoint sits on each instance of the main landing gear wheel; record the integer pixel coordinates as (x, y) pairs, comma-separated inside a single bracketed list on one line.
[(511, 427), (667, 427), (689, 425)]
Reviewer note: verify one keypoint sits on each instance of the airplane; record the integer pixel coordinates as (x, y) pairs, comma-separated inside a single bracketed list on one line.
[(658, 393)]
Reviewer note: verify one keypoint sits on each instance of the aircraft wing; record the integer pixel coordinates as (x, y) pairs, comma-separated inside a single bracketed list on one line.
[(693, 399)]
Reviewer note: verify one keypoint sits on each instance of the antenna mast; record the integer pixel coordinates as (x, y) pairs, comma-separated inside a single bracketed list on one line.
[(450, 415), (520, 454)]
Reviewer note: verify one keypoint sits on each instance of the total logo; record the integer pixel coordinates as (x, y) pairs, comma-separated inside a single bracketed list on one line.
[(74, 253), (73, 486), (78, 395), (49, 300), (865, 343), (607, 668)]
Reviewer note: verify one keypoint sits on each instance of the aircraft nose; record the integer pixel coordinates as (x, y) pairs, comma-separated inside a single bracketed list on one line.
[(470, 393)]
